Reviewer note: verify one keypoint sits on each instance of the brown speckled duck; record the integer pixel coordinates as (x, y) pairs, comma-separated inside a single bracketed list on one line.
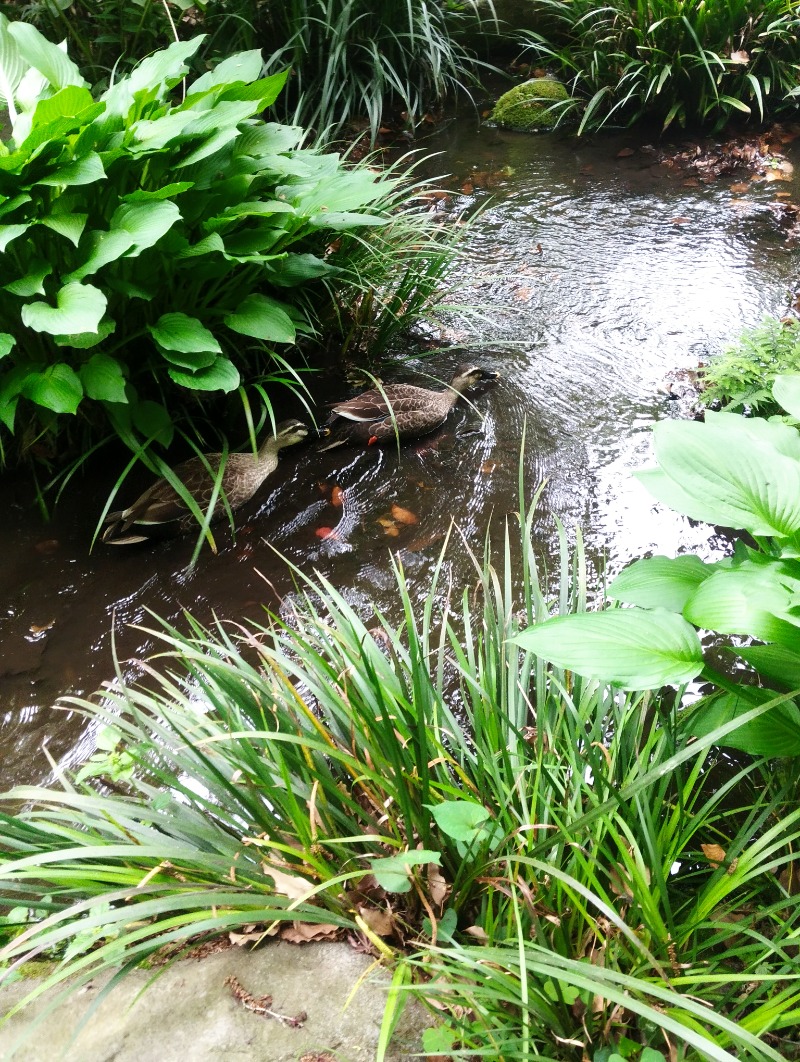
[(400, 411), (161, 508)]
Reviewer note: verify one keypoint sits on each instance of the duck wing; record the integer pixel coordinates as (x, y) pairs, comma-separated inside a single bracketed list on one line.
[(161, 503), (377, 405)]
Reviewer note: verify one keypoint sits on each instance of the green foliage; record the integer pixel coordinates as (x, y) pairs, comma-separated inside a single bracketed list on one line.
[(741, 473), (541, 835), (742, 376), (683, 61), (156, 251), (351, 60), (358, 59), (108, 38)]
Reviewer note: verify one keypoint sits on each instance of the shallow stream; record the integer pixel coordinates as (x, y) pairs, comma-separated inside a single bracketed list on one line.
[(600, 278)]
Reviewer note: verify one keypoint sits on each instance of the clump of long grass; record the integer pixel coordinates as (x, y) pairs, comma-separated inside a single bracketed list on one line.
[(361, 60), (541, 841), (676, 61)]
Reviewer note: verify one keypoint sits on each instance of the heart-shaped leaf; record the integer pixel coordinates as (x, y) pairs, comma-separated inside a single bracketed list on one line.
[(263, 318), (103, 379), (80, 309), (57, 388), (729, 470), (180, 332), (660, 582)]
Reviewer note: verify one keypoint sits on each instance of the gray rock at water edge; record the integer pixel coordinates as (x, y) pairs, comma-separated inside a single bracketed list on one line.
[(189, 1014)]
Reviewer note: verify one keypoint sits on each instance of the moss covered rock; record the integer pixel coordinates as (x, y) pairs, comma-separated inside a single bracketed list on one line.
[(527, 106)]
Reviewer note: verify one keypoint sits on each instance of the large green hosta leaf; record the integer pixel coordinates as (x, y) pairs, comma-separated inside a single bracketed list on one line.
[(185, 334), (133, 228), (103, 378), (786, 391), (222, 375), (243, 66), (79, 308), (776, 662), (12, 65), (776, 733), (40, 53), (155, 74), (753, 599), (742, 473), (263, 318), (631, 648), (57, 388), (660, 582)]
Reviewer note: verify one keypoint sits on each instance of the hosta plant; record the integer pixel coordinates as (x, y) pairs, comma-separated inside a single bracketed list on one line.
[(738, 472), (159, 244)]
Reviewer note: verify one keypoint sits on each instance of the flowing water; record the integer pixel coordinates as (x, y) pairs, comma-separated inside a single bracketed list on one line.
[(597, 277)]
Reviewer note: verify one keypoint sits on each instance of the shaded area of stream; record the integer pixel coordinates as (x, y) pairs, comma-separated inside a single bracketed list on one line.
[(596, 277)]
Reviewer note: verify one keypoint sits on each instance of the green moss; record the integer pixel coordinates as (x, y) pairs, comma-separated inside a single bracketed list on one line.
[(527, 106), (31, 970)]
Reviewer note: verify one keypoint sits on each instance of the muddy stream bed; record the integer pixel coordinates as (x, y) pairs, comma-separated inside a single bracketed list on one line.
[(602, 275)]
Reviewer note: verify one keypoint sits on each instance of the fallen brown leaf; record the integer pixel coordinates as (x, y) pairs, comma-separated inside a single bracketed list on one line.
[(290, 885), (438, 888), (304, 932), (404, 516), (714, 853), (240, 939), (379, 920), (625, 153), (478, 933)]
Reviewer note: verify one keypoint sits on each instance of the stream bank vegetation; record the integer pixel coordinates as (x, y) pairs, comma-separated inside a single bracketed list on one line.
[(683, 62), (352, 63), (565, 863), (741, 377), (172, 262)]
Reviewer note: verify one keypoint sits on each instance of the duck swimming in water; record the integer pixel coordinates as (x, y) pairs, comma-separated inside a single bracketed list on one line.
[(161, 508), (400, 411)]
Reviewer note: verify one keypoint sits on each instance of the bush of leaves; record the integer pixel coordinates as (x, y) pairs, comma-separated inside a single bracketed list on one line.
[(159, 244), (681, 61), (743, 374)]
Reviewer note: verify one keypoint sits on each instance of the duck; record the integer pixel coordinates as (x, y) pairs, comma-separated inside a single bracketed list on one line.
[(399, 411), (161, 509)]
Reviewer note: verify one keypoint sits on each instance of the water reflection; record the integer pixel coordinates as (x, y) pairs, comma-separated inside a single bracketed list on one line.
[(595, 275)]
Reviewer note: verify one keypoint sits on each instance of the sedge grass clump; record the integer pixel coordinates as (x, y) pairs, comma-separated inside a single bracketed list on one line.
[(358, 60), (575, 871), (687, 62)]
